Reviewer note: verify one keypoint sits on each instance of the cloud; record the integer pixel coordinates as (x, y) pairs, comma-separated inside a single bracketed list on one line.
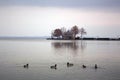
[(40, 21), (65, 3), (39, 17)]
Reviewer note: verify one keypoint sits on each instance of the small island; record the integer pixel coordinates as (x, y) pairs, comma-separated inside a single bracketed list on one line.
[(72, 34)]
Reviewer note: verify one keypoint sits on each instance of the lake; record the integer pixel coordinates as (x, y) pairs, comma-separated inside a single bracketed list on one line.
[(40, 54)]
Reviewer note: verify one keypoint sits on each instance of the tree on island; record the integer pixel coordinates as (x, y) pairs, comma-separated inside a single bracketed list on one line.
[(57, 33), (63, 30), (68, 34), (74, 31), (82, 32)]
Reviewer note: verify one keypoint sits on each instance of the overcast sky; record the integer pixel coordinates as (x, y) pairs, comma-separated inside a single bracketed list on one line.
[(100, 18)]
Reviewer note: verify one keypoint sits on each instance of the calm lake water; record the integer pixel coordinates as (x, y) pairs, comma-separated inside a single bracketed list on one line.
[(41, 54)]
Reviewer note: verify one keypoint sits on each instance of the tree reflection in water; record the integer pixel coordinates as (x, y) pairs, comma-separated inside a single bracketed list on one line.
[(73, 47)]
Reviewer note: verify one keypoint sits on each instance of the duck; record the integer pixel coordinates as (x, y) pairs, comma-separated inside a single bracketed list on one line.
[(96, 66), (54, 66), (83, 66), (69, 64), (26, 65)]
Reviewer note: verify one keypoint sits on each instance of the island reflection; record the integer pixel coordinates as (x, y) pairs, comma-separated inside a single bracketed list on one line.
[(73, 47)]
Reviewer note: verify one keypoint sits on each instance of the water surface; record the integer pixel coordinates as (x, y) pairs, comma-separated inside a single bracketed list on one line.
[(41, 54)]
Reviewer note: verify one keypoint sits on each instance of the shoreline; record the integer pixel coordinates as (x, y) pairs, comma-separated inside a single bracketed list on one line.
[(92, 39)]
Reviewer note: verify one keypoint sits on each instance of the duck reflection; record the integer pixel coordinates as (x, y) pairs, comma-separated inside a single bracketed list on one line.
[(74, 46)]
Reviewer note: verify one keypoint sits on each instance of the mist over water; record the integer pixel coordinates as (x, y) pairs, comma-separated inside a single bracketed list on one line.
[(41, 54)]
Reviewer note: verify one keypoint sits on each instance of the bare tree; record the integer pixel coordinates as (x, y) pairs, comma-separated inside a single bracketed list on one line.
[(63, 30), (82, 32), (74, 31), (57, 33)]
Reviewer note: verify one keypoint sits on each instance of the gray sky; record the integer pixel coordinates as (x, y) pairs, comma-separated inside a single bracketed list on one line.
[(64, 3), (39, 17)]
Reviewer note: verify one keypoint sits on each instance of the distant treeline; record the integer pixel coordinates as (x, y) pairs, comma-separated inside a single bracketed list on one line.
[(23, 38)]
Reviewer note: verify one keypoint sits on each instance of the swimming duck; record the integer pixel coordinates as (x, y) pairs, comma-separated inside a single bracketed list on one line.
[(83, 66), (26, 65), (96, 66), (54, 67), (69, 64)]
